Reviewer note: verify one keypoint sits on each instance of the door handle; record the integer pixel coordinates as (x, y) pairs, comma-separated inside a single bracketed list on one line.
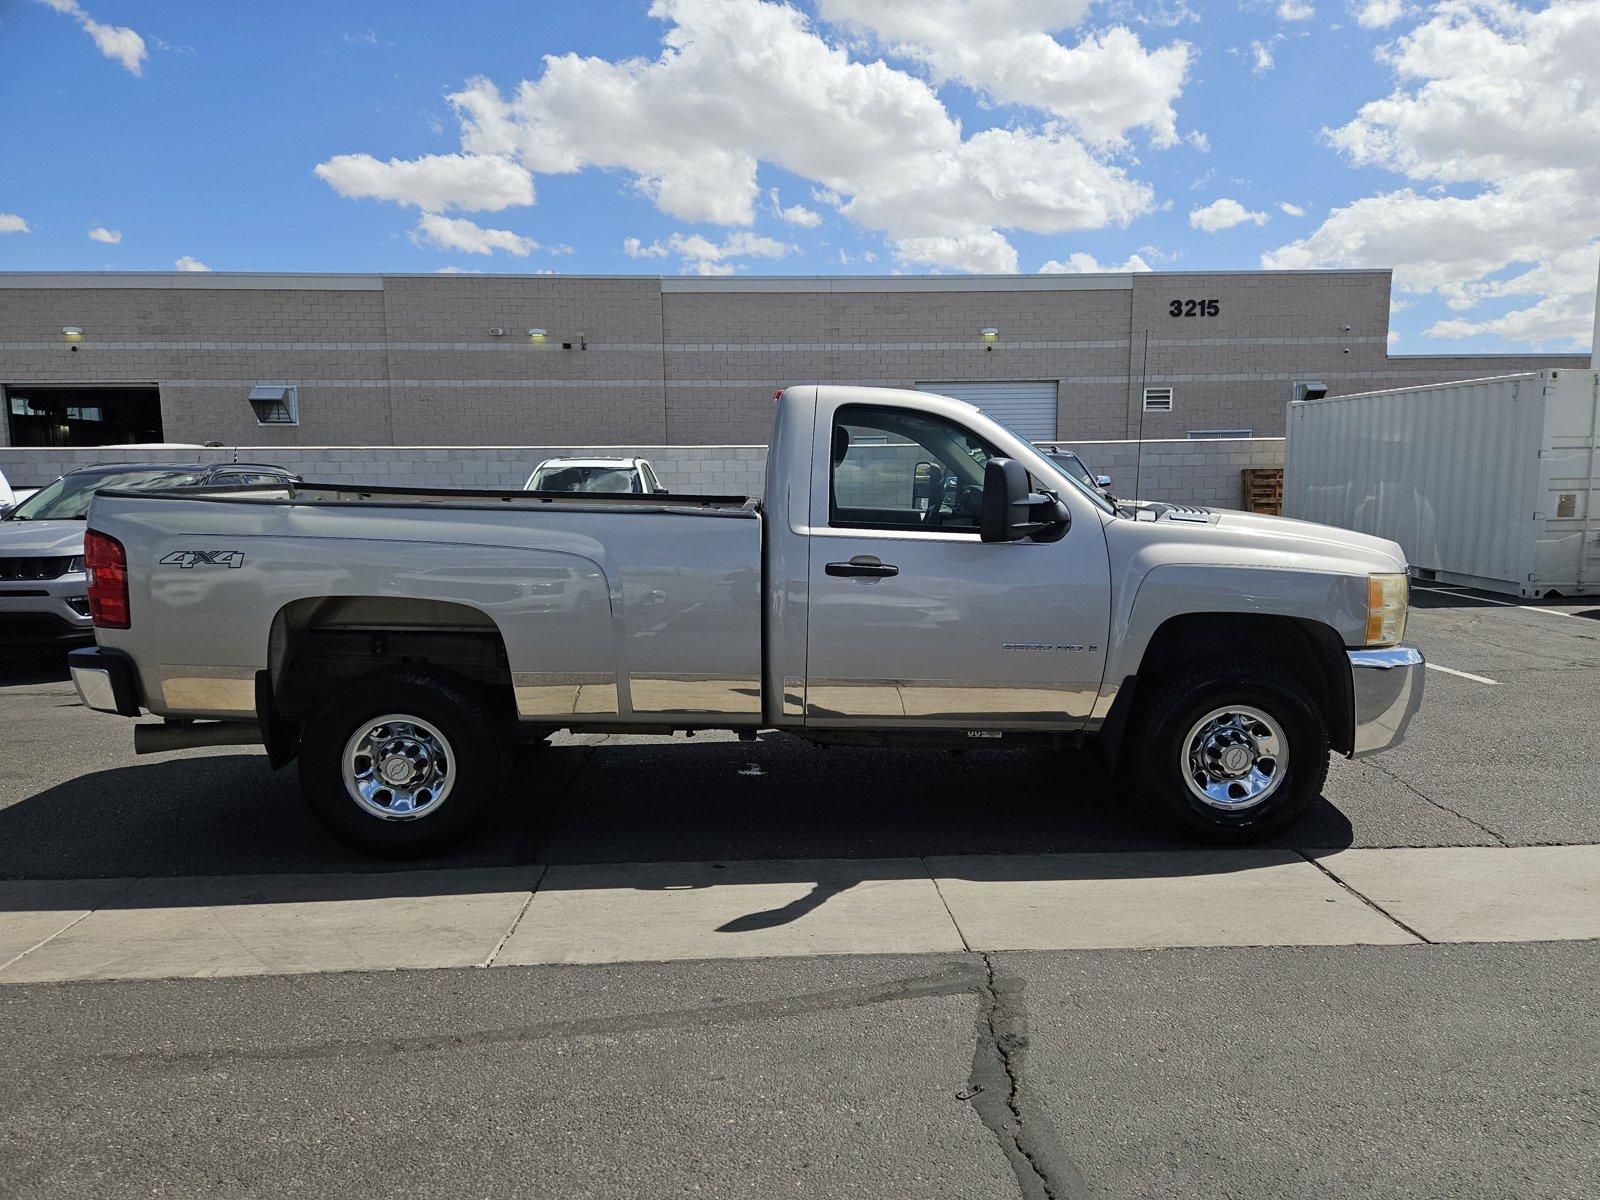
[(863, 566)]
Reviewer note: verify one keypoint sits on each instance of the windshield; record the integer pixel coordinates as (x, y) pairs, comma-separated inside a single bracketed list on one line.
[(67, 499), (586, 479), (1084, 483), (1073, 465)]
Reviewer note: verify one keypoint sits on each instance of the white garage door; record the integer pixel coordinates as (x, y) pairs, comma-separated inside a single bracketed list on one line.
[(1029, 408)]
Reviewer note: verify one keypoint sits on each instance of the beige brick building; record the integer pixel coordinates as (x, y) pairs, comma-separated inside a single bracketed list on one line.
[(448, 360)]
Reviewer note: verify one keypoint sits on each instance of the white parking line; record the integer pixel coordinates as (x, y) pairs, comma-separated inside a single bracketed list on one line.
[(1554, 612), (1433, 666)]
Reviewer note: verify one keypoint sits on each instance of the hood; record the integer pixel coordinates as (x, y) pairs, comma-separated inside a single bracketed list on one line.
[(1297, 535), (1225, 537), (42, 537)]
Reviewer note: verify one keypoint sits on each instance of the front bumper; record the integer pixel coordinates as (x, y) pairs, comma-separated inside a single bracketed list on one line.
[(1387, 689), (106, 680), (45, 610)]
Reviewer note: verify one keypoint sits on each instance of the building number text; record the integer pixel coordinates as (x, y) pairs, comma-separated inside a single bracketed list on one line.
[(1193, 308)]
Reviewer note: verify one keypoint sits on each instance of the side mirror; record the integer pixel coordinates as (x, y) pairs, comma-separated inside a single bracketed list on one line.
[(1010, 511), (1102, 481), (922, 486)]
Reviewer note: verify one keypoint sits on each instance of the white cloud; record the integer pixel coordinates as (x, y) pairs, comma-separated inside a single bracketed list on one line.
[(11, 223), (189, 263), (1394, 336), (1376, 14), (458, 233), (634, 248), (1295, 10), (114, 41), (1290, 210), (434, 182), (699, 253), (985, 252), (743, 82), (1493, 118), (1261, 57), (795, 214), (1105, 85), (452, 269), (1224, 214), (1085, 264), (110, 237), (1198, 140)]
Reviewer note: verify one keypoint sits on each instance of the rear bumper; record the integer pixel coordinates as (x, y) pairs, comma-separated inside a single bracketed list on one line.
[(1387, 687), (106, 680)]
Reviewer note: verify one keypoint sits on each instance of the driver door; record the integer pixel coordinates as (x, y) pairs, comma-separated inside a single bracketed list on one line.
[(913, 620)]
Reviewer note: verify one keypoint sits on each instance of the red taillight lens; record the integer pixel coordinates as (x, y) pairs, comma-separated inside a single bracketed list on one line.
[(107, 565)]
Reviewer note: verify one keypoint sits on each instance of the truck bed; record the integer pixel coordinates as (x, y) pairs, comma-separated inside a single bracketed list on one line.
[(610, 608)]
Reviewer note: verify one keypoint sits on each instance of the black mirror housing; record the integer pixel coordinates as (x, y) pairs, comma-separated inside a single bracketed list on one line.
[(1011, 511)]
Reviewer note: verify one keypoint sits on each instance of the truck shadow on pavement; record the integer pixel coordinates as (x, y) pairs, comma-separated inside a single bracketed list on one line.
[(665, 813)]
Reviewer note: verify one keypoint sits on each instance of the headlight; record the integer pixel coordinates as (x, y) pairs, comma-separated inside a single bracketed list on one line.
[(1388, 597)]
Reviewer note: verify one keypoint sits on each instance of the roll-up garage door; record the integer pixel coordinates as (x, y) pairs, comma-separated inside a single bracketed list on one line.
[(1028, 408)]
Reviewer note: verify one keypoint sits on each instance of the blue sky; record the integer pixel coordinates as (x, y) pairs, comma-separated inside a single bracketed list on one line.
[(1005, 135)]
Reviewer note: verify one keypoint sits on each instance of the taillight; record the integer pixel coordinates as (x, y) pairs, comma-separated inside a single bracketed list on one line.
[(107, 564)]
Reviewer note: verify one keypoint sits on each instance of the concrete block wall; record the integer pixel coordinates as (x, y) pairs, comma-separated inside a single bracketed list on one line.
[(1202, 472), (1195, 472), (421, 360)]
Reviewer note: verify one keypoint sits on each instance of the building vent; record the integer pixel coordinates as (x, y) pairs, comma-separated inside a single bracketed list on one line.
[(275, 404), (1309, 389), (1158, 399), (1209, 435)]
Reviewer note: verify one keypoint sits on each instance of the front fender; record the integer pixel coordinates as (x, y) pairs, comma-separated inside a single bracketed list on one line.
[(1333, 598)]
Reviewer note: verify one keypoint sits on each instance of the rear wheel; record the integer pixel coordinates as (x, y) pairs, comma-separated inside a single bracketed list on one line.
[(402, 764), (1227, 751)]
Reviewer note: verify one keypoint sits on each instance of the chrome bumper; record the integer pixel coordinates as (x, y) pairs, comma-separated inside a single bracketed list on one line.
[(105, 680), (1387, 688)]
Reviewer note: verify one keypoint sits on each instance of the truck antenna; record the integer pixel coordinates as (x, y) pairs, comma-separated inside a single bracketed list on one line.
[(1138, 447)]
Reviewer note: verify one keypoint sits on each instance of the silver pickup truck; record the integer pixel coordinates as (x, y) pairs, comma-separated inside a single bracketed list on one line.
[(917, 574)]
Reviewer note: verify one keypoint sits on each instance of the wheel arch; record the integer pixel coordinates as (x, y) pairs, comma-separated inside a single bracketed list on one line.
[(1311, 651), (320, 644)]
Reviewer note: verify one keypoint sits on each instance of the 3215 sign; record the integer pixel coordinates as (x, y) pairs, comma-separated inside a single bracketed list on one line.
[(1193, 308)]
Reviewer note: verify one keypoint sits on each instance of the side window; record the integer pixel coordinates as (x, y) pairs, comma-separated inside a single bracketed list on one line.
[(899, 468)]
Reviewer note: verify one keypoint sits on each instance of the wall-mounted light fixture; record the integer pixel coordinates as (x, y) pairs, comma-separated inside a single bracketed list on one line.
[(537, 335), (72, 333), (989, 335), (497, 331)]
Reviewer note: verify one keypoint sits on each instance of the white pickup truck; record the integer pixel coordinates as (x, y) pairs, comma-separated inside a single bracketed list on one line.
[(917, 574)]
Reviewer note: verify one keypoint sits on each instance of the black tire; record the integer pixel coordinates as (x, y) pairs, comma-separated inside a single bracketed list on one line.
[(472, 752), (1153, 753)]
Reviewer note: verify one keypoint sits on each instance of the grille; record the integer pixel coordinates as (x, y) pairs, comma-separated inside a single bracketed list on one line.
[(13, 569)]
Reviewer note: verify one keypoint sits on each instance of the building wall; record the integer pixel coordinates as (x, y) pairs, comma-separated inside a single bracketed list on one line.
[(411, 359), (1201, 472)]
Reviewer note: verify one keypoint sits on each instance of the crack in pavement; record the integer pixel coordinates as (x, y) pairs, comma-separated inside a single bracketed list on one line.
[(955, 979), (1364, 898), (997, 1094), (1442, 807)]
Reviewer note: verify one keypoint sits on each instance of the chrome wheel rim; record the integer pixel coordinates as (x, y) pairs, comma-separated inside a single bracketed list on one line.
[(399, 767), (1234, 758)]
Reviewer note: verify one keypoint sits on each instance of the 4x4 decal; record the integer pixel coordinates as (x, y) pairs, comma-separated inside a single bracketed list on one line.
[(204, 558)]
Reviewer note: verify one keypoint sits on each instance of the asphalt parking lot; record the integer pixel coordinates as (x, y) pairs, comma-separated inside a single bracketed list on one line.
[(1231, 1070)]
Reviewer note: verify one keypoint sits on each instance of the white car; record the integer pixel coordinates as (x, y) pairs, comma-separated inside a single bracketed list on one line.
[(594, 475)]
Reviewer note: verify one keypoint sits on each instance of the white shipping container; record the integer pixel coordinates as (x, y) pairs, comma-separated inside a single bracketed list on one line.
[(1489, 483)]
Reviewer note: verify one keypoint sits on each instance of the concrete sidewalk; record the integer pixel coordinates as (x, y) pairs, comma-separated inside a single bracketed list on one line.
[(657, 912)]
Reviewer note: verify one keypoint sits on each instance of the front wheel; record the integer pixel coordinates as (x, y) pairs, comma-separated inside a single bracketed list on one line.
[(1227, 751), (402, 764)]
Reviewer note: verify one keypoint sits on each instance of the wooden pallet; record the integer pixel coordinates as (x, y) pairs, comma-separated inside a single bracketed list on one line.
[(1262, 490)]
